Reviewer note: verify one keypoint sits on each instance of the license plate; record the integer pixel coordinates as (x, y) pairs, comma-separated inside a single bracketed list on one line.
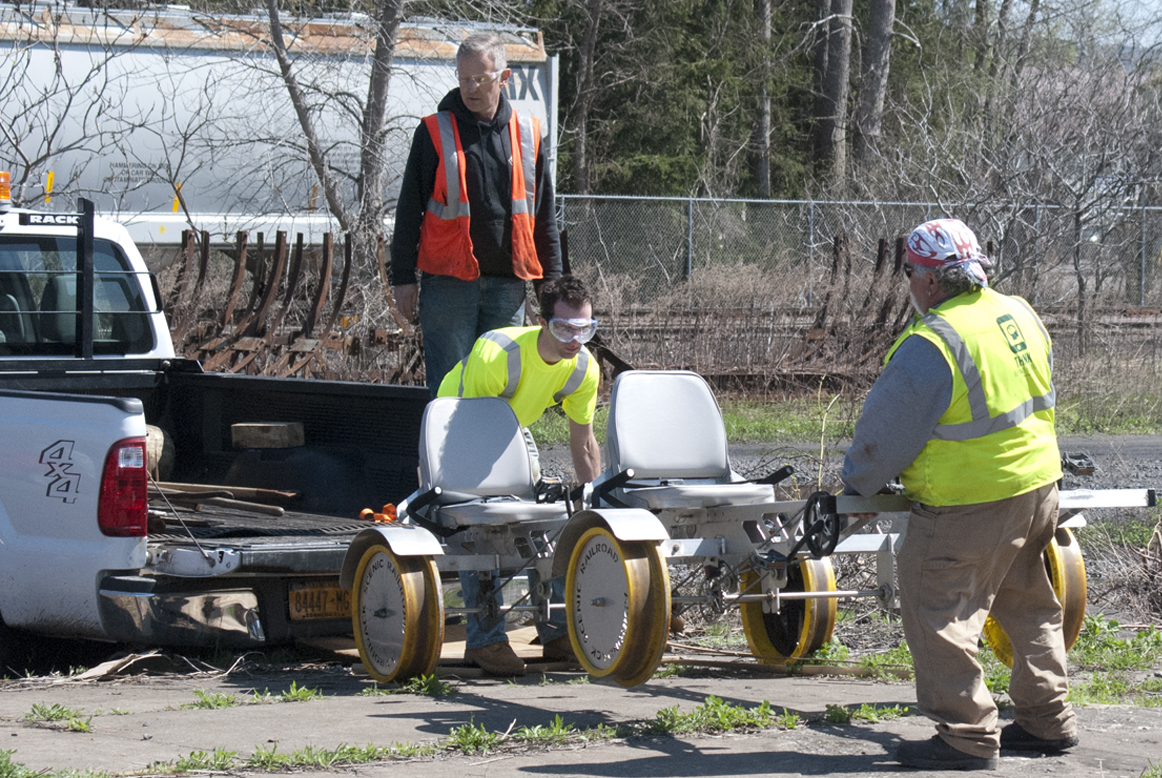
[(315, 601)]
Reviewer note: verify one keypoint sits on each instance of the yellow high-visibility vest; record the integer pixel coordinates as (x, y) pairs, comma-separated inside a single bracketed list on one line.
[(996, 438)]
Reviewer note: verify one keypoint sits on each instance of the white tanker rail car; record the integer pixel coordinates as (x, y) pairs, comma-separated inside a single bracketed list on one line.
[(171, 119)]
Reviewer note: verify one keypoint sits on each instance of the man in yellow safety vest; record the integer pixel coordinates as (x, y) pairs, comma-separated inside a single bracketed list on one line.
[(534, 368), (963, 412)]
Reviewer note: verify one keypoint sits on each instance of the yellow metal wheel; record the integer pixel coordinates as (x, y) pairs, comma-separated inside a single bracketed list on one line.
[(801, 627), (1066, 569), (618, 606), (397, 613)]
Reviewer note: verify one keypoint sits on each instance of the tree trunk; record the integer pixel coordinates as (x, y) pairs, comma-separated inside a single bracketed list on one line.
[(819, 76), (763, 126), (1079, 275), (1026, 37), (315, 150), (370, 220), (1002, 34), (980, 32), (874, 77), (831, 138), (586, 90)]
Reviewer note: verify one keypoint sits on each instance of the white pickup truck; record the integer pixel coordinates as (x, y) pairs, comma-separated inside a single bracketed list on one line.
[(231, 547)]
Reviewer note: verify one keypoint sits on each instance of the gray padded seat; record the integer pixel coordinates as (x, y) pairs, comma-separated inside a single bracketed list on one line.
[(474, 450), (58, 298), (16, 309), (667, 426)]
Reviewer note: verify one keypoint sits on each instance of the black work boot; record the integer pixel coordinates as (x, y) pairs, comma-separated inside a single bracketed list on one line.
[(1014, 737), (935, 754)]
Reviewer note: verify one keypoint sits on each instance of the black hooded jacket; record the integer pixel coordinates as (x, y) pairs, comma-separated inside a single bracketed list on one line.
[(488, 151)]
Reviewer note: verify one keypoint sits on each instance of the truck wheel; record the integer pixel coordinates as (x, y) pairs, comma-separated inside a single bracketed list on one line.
[(397, 614), (618, 606), (1066, 569), (801, 627)]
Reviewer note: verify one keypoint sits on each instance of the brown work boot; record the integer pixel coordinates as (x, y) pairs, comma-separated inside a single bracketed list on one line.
[(559, 650), (496, 659)]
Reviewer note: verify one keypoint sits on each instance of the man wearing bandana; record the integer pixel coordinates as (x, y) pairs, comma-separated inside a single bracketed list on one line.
[(963, 414)]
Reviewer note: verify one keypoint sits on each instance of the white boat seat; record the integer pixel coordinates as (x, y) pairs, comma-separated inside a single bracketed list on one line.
[(667, 427), (696, 495), (490, 511), (473, 449)]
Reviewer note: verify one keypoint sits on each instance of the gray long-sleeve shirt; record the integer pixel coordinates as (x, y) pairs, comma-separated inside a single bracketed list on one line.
[(899, 416)]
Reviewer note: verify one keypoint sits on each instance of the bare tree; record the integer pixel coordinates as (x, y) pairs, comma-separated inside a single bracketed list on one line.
[(366, 223), (832, 74), (873, 79), (1049, 159), (763, 124)]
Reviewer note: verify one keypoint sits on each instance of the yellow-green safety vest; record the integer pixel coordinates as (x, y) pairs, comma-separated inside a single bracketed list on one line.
[(996, 438)]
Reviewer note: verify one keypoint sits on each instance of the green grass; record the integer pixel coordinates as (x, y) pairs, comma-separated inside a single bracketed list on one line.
[(10, 769), (1107, 412), (827, 417), (424, 685), (1104, 689), (1100, 646), (211, 701), (832, 651), (553, 427), (839, 714), (293, 694), (1131, 529), (218, 760), (799, 420), (1153, 770), (556, 733), (54, 712), (472, 738), (713, 716), (721, 635), (899, 656)]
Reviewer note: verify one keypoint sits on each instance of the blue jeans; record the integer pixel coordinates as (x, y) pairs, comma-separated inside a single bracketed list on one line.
[(483, 632), (454, 313)]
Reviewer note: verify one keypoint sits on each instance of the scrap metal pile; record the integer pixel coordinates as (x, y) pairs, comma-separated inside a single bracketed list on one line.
[(283, 312)]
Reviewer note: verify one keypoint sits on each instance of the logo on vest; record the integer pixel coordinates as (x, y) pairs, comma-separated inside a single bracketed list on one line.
[(1014, 338)]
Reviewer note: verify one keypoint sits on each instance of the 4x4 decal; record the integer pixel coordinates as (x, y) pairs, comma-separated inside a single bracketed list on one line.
[(62, 481)]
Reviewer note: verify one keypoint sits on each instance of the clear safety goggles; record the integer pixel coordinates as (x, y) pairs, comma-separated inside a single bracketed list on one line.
[(482, 80), (580, 330)]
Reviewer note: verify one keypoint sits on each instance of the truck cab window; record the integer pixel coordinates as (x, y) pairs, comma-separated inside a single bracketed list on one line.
[(40, 309)]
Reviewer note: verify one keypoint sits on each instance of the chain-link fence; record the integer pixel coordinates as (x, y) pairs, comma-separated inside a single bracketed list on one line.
[(1044, 252), (761, 288)]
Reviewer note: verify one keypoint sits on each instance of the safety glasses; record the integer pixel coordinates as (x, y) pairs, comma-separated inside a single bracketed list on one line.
[(580, 330)]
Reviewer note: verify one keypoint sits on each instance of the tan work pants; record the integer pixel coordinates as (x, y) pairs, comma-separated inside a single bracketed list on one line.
[(955, 564)]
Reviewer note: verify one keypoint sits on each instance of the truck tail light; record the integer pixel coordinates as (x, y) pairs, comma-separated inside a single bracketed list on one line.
[(121, 508), (5, 190)]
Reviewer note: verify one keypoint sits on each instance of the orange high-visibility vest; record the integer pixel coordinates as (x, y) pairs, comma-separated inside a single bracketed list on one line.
[(445, 245)]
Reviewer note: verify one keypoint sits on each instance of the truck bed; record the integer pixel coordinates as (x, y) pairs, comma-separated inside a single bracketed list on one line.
[(296, 542)]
